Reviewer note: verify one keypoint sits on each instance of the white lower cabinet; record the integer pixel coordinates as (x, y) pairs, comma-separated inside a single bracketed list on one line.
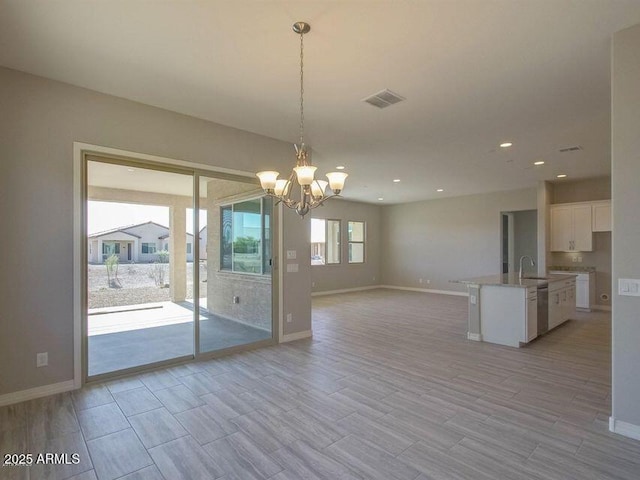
[(508, 315), (585, 287), (562, 301)]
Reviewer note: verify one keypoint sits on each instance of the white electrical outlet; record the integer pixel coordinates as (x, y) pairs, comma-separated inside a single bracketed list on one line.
[(428, 281), (419, 280), (313, 284), (42, 359), (289, 318)]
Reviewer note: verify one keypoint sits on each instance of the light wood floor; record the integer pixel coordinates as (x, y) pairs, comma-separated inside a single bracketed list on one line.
[(389, 388)]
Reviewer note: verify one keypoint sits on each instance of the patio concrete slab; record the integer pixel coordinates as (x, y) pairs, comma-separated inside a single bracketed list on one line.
[(131, 338)]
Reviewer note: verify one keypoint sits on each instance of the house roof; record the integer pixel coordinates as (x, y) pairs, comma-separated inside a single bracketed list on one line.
[(129, 227), (112, 230)]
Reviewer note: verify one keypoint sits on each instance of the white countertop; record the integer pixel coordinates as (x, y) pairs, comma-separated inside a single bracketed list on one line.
[(512, 280)]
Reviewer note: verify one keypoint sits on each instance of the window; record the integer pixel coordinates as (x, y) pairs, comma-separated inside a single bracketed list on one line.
[(356, 242), (149, 247), (325, 241), (245, 236), (188, 248), (110, 248)]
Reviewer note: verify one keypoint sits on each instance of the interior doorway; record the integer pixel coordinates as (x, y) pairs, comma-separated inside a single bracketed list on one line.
[(518, 237)]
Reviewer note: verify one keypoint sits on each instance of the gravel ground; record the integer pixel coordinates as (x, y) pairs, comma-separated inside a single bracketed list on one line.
[(136, 285)]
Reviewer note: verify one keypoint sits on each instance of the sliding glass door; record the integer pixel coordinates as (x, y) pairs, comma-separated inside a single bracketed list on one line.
[(169, 278), (235, 307)]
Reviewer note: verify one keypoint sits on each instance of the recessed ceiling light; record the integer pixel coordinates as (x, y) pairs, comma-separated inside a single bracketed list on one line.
[(340, 167), (562, 175), (380, 198), (539, 163), (506, 144), (396, 180), (440, 190)]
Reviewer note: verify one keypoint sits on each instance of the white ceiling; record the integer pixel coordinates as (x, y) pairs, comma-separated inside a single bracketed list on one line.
[(474, 73)]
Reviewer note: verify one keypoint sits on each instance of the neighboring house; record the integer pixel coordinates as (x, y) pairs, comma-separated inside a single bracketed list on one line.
[(135, 243)]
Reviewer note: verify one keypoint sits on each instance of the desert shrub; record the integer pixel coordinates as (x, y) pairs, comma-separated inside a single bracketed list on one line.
[(112, 262)]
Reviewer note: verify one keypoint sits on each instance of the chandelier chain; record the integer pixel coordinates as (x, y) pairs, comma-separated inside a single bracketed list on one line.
[(301, 89), (312, 191)]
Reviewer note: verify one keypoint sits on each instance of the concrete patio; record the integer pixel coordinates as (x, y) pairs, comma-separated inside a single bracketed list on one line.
[(125, 337)]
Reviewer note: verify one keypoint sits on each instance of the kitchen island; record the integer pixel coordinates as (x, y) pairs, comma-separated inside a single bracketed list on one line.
[(512, 311)]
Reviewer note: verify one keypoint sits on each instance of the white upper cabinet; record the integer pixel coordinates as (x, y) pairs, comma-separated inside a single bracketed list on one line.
[(582, 233), (561, 228), (571, 228), (601, 216)]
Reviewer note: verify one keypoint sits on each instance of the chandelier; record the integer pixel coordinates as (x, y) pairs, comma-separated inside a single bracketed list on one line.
[(313, 192)]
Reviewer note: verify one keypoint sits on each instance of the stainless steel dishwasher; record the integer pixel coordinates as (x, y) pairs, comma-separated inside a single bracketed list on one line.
[(543, 309)]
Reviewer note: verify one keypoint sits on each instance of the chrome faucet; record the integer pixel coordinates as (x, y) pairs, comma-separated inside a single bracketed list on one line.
[(521, 259)]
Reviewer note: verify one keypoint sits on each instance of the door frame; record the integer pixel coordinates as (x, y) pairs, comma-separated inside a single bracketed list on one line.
[(81, 152)]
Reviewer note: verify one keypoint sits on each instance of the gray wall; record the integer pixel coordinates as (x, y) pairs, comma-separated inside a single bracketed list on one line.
[(625, 172), (584, 191), (40, 120), (525, 242), (345, 275), (296, 285), (442, 240), (597, 188)]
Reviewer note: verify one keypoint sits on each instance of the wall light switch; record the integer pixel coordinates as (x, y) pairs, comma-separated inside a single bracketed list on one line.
[(42, 359), (292, 267), (473, 299), (291, 254), (629, 287)]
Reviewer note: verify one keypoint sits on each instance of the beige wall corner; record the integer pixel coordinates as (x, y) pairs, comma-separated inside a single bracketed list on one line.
[(625, 172)]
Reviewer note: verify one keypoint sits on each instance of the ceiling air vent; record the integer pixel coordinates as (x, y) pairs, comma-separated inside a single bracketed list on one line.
[(383, 98), (575, 148)]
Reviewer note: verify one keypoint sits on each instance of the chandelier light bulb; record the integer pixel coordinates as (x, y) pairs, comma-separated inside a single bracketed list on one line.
[(281, 186), (305, 174), (336, 181), (268, 179), (318, 187)]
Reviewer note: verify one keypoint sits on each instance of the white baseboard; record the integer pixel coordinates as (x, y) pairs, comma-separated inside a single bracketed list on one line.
[(427, 290), (345, 290), (296, 336), (624, 428), (37, 392), (603, 308), (476, 337)]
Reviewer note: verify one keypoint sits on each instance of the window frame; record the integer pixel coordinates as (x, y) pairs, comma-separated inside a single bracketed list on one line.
[(357, 242), (148, 244), (326, 263), (265, 263)]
